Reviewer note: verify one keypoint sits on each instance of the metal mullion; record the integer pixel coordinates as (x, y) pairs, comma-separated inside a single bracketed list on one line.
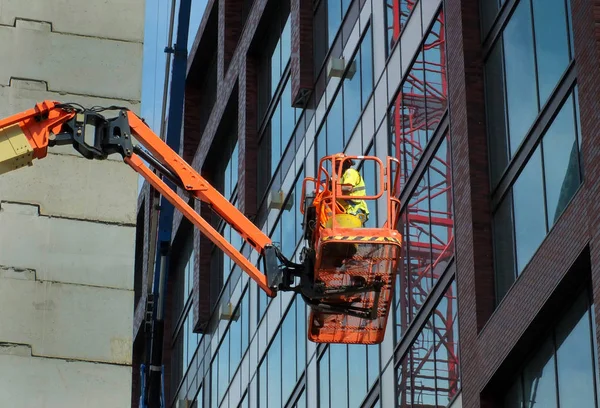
[(547, 222), (533, 137), (495, 31), (555, 358), (535, 59)]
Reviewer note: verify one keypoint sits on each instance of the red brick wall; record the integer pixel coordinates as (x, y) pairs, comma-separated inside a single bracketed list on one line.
[(487, 336), (470, 184), (586, 33), (302, 51)]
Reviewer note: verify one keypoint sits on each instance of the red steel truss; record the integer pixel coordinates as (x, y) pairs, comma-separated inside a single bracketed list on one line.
[(431, 366)]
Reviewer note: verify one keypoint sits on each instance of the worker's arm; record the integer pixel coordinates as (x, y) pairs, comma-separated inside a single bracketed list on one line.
[(26, 136)]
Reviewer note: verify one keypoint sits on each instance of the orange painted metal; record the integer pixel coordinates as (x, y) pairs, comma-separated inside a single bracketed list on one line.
[(36, 131), (195, 183), (188, 212), (373, 253)]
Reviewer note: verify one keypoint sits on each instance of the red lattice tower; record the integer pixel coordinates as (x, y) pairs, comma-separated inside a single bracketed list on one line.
[(432, 362)]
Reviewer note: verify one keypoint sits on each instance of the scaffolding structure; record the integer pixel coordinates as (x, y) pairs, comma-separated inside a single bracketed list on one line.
[(430, 368)]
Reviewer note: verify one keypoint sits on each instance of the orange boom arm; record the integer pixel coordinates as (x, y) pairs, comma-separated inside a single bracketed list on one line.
[(26, 136)]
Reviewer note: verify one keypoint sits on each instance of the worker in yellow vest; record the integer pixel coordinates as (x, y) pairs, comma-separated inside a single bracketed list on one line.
[(352, 184)]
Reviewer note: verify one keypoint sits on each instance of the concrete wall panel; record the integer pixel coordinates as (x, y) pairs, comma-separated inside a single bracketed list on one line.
[(69, 63), (119, 19), (75, 187), (66, 250), (27, 381), (67, 321)]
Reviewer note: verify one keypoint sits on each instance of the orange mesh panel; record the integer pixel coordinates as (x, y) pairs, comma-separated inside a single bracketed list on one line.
[(371, 261)]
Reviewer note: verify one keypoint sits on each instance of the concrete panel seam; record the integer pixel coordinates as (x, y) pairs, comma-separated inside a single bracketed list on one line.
[(33, 277), (9, 345), (62, 217), (83, 95), (18, 20)]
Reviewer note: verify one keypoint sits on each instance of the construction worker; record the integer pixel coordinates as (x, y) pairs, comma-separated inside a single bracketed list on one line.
[(354, 185)]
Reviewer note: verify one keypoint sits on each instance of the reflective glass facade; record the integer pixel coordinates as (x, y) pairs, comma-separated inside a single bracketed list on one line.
[(397, 95), (534, 167)]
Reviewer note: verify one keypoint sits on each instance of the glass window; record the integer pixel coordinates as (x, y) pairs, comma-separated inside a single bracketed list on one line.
[(338, 381), (561, 372), (288, 357), (504, 251), (496, 113), (429, 374), (335, 126), (435, 75), (421, 102), (539, 195), (521, 90), (366, 69), (324, 386), (561, 161), (575, 357), (397, 14), (301, 337), (530, 220), (334, 19), (539, 379), (274, 372), (551, 43), (522, 69), (489, 11)]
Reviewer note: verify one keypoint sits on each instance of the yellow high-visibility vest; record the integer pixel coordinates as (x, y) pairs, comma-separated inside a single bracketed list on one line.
[(353, 178)]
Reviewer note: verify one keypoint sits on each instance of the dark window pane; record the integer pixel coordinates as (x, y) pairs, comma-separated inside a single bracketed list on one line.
[(530, 219), (286, 44), (357, 370), (403, 379), (339, 380), (504, 257), (561, 161), (574, 357), (552, 43), (275, 138), (489, 11), (366, 55), (514, 397), (520, 75), (496, 115), (539, 379), (288, 120), (275, 68)]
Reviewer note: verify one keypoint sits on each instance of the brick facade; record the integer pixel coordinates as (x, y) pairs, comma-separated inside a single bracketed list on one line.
[(493, 340)]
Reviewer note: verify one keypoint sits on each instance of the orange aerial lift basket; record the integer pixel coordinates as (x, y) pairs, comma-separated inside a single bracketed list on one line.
[(354, 263)]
